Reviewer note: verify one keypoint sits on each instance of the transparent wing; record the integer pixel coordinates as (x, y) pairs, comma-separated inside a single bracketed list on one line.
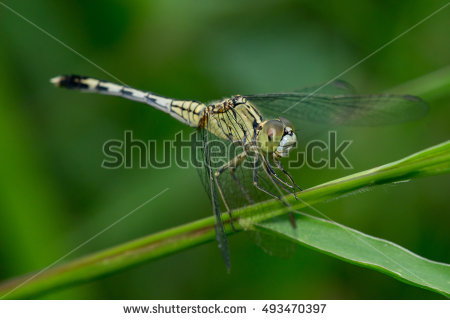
[(202, 137), (337, 107), (336, 87), (272, 244), (216, 152), (235, 186)]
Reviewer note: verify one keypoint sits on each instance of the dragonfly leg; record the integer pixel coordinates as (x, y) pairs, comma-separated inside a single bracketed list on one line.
[(277, 179), (232, 164), (238, 160), (277, 162), (268, 170), (235, 178), (219, 187), (292, 220), (291, 215), (256, 181)]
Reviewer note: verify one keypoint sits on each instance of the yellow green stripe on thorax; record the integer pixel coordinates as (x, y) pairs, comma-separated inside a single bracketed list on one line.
[(236, 123)]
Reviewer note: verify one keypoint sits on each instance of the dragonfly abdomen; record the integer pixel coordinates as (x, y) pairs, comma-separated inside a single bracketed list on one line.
[(188, 112)]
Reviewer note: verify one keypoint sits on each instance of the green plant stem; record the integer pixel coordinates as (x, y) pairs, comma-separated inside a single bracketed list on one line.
[(431, 161), (431, 86)]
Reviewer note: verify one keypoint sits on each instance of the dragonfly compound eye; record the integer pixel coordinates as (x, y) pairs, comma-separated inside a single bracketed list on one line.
[(288, 125), (270, 135)]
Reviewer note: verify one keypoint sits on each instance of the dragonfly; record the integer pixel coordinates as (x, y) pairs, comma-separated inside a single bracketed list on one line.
[(261, 129)]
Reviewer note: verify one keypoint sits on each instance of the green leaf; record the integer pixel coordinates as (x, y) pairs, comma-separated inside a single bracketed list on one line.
[(361, 249), (430, 86)]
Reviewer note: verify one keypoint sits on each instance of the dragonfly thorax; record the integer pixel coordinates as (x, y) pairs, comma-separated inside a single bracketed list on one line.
[(276, 136)]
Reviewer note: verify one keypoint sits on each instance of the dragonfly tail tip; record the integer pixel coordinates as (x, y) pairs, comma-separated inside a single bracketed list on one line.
[(56, 81)]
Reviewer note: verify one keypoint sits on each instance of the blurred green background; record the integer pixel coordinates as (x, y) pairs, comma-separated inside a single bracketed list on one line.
[(54, 194)]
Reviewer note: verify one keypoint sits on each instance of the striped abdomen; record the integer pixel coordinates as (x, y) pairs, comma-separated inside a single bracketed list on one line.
[(188, 112)]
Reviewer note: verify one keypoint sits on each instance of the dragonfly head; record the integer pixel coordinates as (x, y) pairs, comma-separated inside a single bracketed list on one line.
[(276, 136)]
